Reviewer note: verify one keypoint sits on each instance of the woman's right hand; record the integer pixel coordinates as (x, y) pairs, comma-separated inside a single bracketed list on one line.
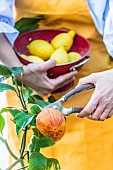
[(35, 77), (100, 106)]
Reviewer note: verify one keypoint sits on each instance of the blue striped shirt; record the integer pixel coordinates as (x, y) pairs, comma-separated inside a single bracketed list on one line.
[(7, 20), (101, 12)]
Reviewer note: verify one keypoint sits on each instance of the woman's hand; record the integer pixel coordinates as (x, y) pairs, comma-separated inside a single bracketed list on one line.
[(100, 106), (35, 77)]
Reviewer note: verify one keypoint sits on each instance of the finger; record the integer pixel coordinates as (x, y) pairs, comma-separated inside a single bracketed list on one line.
[(63, 84), (110, 114), (41, 91), (85, 80), (63, 78), (44, 66), (47, 65), (98, 112), (89, 117), (104, 115), (90, 107), (54, 84), (110, 110), (53, 87), (50, 88)]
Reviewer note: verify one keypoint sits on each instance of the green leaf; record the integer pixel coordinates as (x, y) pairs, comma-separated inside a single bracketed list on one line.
[(4, 87), (28, 24), (13, 111), (36, 143), (35, 109), (49, 164), (51, 99), (17, 70), (17, 130), (2, 123), (16, 82), (37, 161), (41, 103), (37, 133), (26, 93), (4, 110), (55, 163), (5, 71), (33, 146), (22, 119), (38, 97), (33, 122), (2, 78)]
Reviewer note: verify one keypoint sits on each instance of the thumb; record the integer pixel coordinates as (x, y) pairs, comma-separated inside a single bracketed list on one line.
[(47, 65), (44, 66)]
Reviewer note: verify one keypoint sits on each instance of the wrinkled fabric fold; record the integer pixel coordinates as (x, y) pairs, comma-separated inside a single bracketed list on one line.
[(102, 14)]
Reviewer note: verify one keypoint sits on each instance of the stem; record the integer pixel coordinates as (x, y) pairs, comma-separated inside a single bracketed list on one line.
[(20, 95), (23, 141), (8, 148), (28, 155), (16, 162), (22, 146), (21, 99), (23, 167)]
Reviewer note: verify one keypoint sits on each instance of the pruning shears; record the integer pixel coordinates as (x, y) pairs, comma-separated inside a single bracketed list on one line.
[(74, 109)]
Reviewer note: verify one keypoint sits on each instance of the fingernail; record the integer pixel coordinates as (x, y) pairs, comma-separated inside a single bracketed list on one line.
[(77, 114)]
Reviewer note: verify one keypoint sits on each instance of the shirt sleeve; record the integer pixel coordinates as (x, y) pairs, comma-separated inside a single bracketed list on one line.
[(102, 14), (7, 20)]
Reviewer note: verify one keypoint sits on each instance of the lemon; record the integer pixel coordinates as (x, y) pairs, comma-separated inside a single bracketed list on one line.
[(63, 40), (40, 48), (60, 56), (32, 58), (24, 56), (35, 59), (74, 56)]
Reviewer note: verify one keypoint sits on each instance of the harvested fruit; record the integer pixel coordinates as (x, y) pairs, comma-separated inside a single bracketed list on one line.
[(24, 56), (33, 58), (51, 123), (63, 40), (40, 48), (60, 56), (74, 56)]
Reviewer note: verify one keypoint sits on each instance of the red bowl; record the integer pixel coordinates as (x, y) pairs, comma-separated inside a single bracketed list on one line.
[(80, 45)]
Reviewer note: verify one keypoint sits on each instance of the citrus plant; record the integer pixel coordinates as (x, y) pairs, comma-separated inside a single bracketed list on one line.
[(25, 121)]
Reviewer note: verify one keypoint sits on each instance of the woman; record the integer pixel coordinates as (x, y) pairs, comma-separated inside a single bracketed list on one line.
[(86, 145)]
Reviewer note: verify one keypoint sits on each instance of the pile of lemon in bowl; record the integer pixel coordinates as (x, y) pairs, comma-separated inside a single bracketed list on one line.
[(57, 49)]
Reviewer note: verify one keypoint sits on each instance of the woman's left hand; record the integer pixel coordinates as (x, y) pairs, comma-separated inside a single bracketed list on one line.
[(100, 106)]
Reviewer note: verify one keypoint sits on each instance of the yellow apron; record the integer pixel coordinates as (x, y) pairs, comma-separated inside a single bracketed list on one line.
[(87, 144)]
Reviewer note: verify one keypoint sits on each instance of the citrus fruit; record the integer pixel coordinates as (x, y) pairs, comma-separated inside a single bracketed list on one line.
[(51, 123), (24, 56), (40, 48), (63, 40), (32, 58), (60, 56), (74, 56)]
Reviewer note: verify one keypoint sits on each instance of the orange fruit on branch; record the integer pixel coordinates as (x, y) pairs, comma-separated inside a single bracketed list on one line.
[(51, 123)]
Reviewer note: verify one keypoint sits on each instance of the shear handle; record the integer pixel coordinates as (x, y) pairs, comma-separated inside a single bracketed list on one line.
[(74, 109), (77, 90)]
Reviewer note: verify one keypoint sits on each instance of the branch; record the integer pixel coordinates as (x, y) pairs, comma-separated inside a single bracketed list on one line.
[(8, 148), (16, 162)]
